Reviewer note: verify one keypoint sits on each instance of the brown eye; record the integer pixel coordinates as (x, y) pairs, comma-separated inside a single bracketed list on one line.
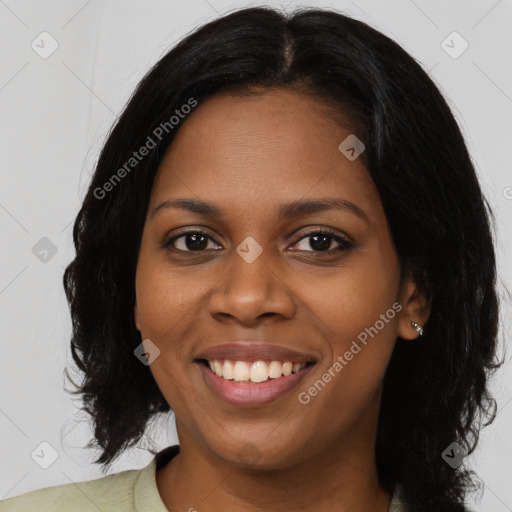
[(321, 241), (191, 241)]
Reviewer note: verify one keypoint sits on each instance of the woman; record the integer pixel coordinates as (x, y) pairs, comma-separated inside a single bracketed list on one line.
[(284, 243)]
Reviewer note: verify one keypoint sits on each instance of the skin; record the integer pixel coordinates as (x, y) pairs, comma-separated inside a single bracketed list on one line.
[(248, 155)]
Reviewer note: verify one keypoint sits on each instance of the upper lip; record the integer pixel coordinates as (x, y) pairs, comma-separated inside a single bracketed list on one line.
[(254, 351)]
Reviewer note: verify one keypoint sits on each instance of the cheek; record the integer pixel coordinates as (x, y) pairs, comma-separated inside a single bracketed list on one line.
[(167, 308), (361, 331), (164, 299), (358, 313), (354, 298)]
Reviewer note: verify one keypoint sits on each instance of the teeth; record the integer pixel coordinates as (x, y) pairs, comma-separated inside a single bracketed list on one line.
[(240, 371), (275, 369), (258, 371), (228, 370), (287, 368)]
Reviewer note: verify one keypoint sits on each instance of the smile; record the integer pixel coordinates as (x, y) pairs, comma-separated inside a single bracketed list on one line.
[(254, 371), (252, 384)]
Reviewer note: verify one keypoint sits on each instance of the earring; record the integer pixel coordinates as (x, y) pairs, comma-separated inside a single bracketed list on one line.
[(418, 328)]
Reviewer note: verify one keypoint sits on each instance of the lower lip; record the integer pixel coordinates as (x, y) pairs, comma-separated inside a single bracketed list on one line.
[(242, 394)]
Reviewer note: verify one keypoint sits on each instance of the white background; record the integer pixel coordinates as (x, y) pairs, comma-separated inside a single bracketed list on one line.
[(54, 116)]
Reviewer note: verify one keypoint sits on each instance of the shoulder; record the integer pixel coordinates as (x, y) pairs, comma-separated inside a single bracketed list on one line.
[(128, 491), (110, 493)]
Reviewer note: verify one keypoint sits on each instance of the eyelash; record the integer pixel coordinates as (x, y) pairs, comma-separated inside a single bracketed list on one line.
[(344, 243)]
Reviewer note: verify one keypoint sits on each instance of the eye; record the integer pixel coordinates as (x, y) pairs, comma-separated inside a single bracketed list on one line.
[(321, 241), (190, 241)]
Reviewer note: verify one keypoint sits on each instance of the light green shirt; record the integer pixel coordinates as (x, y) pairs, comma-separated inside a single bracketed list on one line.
[(134, 490)]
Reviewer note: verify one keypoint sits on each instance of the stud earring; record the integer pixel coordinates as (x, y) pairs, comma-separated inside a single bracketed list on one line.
[(418, 328)]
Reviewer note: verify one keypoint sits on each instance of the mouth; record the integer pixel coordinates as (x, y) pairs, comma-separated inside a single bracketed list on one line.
[(252, 383), (253, 372)]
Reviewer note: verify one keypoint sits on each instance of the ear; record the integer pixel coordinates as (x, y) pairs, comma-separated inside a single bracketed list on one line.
[(415, 308), (136, 316)]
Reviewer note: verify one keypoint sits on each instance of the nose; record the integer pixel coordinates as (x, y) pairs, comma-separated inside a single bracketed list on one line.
[(250, 292)]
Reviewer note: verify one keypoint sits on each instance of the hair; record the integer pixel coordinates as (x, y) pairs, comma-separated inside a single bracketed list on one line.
[(435, 389)]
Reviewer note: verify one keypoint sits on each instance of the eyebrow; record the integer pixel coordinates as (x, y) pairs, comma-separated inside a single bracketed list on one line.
[(286, 211)]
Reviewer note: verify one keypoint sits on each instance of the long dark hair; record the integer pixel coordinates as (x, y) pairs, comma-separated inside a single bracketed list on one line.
[(436, 388)]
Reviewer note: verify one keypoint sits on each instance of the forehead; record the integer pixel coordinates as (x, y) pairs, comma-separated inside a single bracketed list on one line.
[(260, 150)]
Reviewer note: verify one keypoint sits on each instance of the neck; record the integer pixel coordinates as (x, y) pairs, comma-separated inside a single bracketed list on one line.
[(340, 475)]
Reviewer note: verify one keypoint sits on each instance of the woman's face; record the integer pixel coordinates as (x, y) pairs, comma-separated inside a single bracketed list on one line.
[(262, 272)]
